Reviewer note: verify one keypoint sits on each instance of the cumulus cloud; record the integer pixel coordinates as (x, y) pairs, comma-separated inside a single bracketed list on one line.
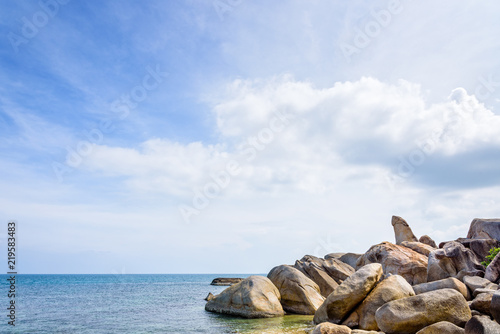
[(289, 135)]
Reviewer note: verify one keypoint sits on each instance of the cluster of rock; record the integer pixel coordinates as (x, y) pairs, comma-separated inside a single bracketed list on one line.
[(412, 286)]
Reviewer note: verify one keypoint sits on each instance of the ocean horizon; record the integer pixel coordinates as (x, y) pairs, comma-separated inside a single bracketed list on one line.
[(129, 303)]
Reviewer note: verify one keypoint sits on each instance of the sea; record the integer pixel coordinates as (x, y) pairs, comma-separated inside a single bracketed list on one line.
[(126, 303)]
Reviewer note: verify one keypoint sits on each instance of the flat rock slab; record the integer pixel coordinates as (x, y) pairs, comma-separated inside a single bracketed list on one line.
[(225, 281)]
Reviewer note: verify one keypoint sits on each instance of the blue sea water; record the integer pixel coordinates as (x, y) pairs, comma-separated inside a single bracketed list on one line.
[(127, 304)]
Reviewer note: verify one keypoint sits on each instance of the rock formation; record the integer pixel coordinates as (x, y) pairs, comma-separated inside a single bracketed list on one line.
[(402, 230), (408, 287), (453, 260)]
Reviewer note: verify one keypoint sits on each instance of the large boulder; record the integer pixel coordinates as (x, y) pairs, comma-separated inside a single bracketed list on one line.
[(418, 247), (447, 283), (425, 239), (482, 303), (318, 274), (411, 314), (453, 260), (402, 230), (495, 306), (442, 327), (254, 297), (493, 270), (392, 288), (329, 328), (299, 294), (481, 325), (349, 294), (397, 260), (484, 229)]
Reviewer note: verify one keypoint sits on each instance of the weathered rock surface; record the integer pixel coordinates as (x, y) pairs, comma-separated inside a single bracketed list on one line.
[(442, 327), (350, 293), (397, 260), (402, 230), (482, 303), (476, 282), (480, 247), (338, 269), (299, 294), (493, 270), (335, 268), (225, 281), (484, 229), (447, 283), (453, 260), (329, 328), (392, 288), (495, 306), (254, 297), (350, 259), (418, 247), (318, 274), (481, 325), (425, 239), (409, 315)]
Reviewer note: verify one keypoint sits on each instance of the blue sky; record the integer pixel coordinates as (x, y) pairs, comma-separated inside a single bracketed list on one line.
[(233, 135)]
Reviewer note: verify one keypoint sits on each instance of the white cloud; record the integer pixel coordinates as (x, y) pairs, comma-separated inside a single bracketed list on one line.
[(351, 130)]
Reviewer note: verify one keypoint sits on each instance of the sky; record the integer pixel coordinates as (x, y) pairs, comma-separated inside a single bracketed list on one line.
[(231, 136)]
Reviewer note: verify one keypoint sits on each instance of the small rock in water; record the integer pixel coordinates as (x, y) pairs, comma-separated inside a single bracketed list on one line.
[(225, 281)]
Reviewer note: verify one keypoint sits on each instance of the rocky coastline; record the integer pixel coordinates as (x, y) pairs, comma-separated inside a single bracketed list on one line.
[(412, 286)]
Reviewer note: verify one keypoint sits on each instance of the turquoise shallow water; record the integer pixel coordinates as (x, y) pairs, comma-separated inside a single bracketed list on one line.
[(127, 304)]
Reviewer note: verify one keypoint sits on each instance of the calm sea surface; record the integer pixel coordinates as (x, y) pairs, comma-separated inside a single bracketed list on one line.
[(127, 304)]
